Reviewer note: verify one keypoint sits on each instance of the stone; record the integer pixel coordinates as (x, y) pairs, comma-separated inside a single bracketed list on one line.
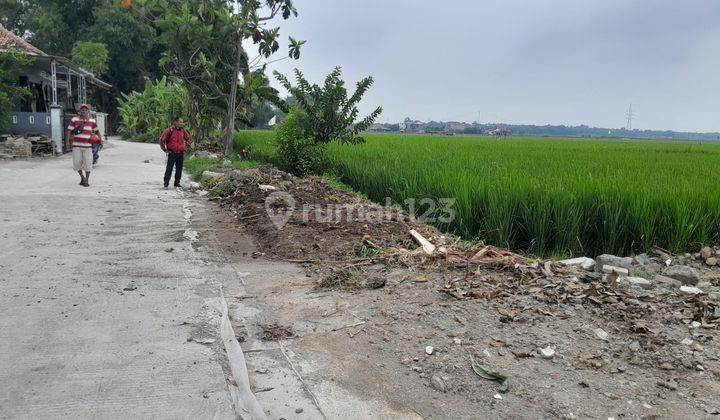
[(497, 396), (671, 385), (661, 280), (686, 275), (429, 350), (601, 334), (298, 410), (715, 297), (611, 268), (585, 263), (634, 346), (266, 188), (635, 281), (690, 290), (706, 252), (438, 383), (642, 259), (712, 261), (547, 352), (687, 341), (612, 260), (210, 174), (695, 324)]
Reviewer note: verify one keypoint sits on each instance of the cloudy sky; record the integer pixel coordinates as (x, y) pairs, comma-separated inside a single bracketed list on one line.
[(522, 61)]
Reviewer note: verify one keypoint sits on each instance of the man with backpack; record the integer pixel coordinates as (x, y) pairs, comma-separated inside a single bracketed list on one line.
[(173, 141)]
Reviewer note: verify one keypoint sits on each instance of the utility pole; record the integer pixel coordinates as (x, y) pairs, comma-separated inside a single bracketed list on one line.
[(629, 118)]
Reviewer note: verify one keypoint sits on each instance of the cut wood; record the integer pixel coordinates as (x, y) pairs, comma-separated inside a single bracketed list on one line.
[(426, 245)]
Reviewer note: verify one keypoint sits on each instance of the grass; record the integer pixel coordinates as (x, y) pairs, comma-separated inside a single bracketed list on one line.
[(196, 165), (538, 195)]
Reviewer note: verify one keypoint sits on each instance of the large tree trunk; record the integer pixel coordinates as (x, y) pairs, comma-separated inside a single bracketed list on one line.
[(230, 126), (193, 108)]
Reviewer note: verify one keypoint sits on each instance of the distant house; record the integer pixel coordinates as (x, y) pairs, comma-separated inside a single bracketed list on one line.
[(412, 126), (456, 126), (59, 87)]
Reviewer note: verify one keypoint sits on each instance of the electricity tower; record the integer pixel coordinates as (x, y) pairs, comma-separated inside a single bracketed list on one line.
[(630, 116)]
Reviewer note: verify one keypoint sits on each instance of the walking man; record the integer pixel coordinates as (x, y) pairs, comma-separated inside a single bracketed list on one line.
[(81, 133), (174, 141)]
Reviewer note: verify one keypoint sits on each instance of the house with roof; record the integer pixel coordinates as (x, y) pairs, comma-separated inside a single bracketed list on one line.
[(58, 86)]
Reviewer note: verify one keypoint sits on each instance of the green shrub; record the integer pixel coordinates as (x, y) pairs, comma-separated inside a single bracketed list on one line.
[(295, 153), (145, 115)]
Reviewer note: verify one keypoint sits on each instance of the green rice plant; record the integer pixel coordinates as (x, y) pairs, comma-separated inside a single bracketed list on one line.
[(544, 196)]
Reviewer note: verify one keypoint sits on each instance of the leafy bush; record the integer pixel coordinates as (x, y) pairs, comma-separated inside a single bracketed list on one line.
[(11, 62), (144, 115), (296, 153), (329, 114)]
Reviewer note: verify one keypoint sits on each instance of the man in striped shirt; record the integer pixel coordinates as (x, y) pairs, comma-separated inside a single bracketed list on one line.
[(82, 132)]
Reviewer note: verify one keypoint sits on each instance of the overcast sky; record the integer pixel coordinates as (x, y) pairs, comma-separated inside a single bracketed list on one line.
[(522, 61)]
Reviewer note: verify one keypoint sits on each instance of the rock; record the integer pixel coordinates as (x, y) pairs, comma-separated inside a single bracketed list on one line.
[(666, 366), (686, 275), (193, 185), (547, 352), (642, 259), (671, 385), (585, 263), (706, 252), (667, 282), (687, 341), (429, 350), (695, 324), (715, 297), (146, 161), (635, 281), (266, 188), (690, 290), (298, 410), (634, 346), (210, 174), (417, 369), (601, 334), (457, 341), (712, 261), (612, 260), (438, 383), (497, 396), (610, 268)]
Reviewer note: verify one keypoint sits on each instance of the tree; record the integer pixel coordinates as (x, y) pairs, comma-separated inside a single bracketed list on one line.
[(329, 114), (92, 56), (204, 41), (131, 44), (11, 64)]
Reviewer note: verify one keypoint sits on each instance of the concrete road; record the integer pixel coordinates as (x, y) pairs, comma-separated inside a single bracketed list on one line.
[(104, 302)]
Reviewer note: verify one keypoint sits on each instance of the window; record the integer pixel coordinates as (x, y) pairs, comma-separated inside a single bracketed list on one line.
[(31, 119), (14, 119)]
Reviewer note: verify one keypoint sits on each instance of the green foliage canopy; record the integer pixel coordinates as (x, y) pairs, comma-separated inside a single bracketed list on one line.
[(92, 56)]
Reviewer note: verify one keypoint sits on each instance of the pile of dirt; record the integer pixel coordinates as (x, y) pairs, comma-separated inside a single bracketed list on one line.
[(307, 219)]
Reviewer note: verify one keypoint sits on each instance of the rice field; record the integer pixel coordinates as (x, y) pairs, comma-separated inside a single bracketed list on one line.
[(543, 196)]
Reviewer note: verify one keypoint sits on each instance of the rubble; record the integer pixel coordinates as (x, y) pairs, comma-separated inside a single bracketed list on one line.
[(686, 275), (635, 281), (612, 260), (690, 290), (583, 262), (25, 146)]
